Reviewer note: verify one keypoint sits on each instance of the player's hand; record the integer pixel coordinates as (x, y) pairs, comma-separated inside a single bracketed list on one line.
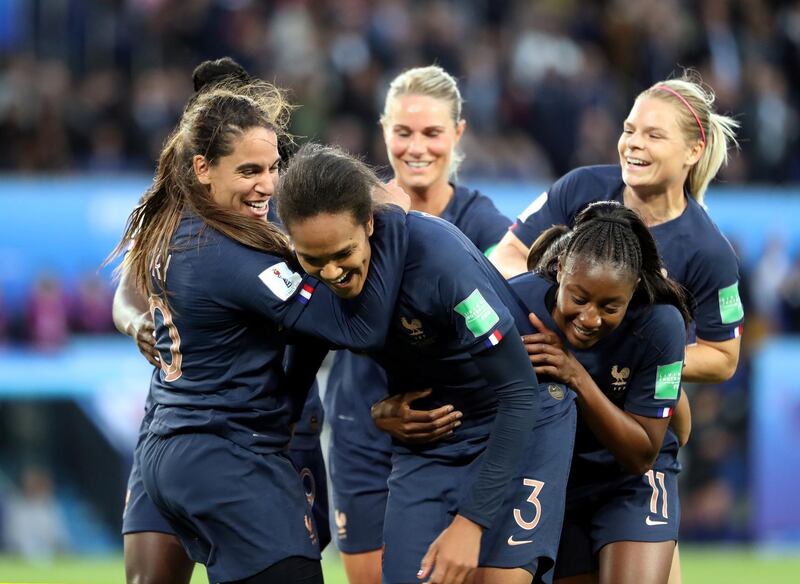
[(395, 416), (142, 330), (392, 193), (548, 354), (453, 555)]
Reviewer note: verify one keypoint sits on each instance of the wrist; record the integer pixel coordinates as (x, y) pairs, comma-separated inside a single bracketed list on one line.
[(468, 524)]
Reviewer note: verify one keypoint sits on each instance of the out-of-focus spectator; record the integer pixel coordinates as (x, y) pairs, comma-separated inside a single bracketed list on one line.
[(48, 318), (34, 525), (92, 307), (768, 275)]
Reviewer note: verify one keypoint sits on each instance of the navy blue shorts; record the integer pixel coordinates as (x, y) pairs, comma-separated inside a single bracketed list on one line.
[(360, 463), (235, 511), (310, 464), (140, 513), (633, 508), (424, 495)]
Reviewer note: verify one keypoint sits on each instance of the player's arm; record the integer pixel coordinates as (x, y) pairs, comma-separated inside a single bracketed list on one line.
[(681, 421), (505, 369), (510, 256), (360, 324), (131, 314), (711, 361), (634, 440), (303, 360)]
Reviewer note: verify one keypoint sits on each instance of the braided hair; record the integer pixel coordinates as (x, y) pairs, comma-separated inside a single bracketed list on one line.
[(607, 232)]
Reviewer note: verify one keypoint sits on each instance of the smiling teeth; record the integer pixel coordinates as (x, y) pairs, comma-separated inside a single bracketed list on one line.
[(341, 279), (256, 205), (418, 164), (637, 162)]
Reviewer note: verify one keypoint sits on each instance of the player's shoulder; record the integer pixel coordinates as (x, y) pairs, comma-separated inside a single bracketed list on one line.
[(706, 238), (655, 326), (590, 183)]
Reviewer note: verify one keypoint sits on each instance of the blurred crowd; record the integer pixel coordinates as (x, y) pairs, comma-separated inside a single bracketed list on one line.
[(95, 85)]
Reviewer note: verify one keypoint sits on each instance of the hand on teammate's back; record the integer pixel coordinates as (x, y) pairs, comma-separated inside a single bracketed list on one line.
[(144, 335), (393, 194), (395, 416)]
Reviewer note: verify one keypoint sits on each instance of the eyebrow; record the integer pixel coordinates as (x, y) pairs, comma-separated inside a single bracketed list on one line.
[(337, 254), (405, 127), (610, 300), (646, 128)]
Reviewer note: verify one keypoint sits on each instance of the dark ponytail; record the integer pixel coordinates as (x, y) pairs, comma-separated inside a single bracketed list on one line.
[(545, 251)]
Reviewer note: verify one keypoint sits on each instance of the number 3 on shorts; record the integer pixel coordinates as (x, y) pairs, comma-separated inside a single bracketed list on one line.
[(533, 499)]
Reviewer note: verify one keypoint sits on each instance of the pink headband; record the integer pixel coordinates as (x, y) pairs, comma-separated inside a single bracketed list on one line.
[(688, 105)]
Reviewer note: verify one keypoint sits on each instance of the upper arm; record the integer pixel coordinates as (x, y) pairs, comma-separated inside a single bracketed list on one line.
[(510, 256), (655, 428)]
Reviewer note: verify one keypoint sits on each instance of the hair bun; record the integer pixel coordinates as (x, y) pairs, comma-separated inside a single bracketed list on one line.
[(210, 72)]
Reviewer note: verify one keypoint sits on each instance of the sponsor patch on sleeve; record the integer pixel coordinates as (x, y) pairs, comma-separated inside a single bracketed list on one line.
[(281, 280), (478, 313), (668, 380), (537, 204), (730, 305)]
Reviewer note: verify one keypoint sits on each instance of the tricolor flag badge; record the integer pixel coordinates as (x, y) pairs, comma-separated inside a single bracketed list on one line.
[(493, 339), (305, 293), (737, 332), (664, 412)]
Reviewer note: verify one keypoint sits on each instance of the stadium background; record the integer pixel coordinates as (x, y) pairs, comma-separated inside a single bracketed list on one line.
[(89, 89)]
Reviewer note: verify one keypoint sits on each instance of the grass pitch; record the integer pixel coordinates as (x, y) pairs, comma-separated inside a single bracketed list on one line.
[(701, 565)]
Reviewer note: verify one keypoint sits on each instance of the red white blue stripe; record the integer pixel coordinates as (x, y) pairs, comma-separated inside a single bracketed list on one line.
[(664, 412), (305, 293), (493, 339), (737, 332)]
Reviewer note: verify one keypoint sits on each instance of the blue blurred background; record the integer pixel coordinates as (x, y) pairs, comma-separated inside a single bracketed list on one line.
[(90, 88)]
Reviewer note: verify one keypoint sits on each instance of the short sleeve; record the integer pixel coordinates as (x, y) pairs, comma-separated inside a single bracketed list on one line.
[(478, 315), (655, 384), (485, 225), (713, 281), (546, 210)]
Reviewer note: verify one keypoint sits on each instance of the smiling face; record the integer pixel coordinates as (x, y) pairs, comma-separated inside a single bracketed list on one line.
[(654, 153), (592, 300), (335, 249), (244, 180), (420, 137)]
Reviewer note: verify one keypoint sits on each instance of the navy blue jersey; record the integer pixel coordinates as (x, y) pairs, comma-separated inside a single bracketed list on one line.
[(221, 335), (450, 312), (356, 381), (637, 366), (692, 248)]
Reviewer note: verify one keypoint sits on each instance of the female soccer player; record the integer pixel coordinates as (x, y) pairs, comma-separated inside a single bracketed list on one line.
[(671, 147), (613, 328), (153, 553), (422, 126), (223, 291), (493, 492)]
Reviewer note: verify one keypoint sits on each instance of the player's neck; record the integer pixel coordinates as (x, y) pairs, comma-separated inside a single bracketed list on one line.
[(655, 207), (433, 200)]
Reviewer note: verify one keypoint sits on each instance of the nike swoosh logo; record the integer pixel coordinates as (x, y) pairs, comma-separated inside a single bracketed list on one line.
[(346, 418), (512, 541), (649, 521)]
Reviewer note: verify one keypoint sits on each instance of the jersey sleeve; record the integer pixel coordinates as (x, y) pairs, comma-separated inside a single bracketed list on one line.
[(546, 210), (714, 285), (486, 225), (655, 385), (268, 286), (476, 312), (508, 372), (362, 323)]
